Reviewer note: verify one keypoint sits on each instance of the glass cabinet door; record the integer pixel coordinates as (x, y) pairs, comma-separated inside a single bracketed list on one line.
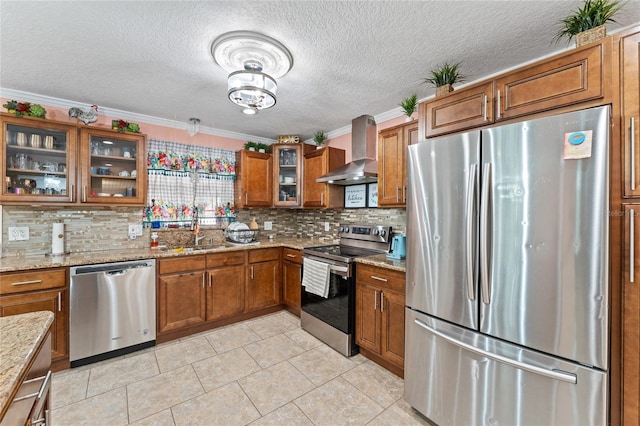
[(38, 160), (113, 167), (287, 175)]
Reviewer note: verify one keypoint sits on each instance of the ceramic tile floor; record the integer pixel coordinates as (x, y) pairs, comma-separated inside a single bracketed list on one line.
[(263, 371)]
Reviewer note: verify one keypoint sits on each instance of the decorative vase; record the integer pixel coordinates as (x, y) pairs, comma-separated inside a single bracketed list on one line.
[(589, 36), (252, 149), (261, 150), (444, 89), (408, 119), (319, 147)]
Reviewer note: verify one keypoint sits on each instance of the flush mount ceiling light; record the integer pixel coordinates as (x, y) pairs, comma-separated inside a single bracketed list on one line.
[(254, 61), (193, 126)]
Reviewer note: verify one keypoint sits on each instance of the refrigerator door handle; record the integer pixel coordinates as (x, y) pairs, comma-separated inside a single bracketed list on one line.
[(484, 240), (553, 374), (632, 142), (471, 193)]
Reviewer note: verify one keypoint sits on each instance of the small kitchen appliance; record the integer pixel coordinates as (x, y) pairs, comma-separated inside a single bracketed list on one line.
[(398, 247), (331, 318)]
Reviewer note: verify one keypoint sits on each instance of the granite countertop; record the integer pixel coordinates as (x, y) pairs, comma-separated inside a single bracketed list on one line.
[(382, 261), (15, 263), (20, 335)]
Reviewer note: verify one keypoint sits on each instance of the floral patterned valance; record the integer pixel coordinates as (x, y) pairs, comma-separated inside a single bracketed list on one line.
[(163, 155)]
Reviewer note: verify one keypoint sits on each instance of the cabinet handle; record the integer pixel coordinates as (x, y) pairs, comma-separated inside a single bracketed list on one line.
[(202, 280), (291, 255), (210, 280), (251, 270), (381, 301), (59, 301), (378, 278), (397, 191), (404, 193), (84, 194), (26, 282), (322, 198), (498, 112), (73, 192), (631, 244), (484, 108), (246, 198), (375, 300), (632, 140), (43, 388)]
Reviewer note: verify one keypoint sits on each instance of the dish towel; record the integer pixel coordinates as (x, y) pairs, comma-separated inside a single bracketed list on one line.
[(315, 277)]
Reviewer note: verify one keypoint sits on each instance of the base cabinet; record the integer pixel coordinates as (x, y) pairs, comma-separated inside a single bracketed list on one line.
[(23, 292), (225, 291), (380, 315), (182, 300), (291, 279), (263, 282)]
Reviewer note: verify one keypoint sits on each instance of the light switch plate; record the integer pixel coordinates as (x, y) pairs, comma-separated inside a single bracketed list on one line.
[(327, 226), (268, 226)]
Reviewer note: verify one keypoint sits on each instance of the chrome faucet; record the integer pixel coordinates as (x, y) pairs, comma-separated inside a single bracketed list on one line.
[(195, 227), (197, 235)]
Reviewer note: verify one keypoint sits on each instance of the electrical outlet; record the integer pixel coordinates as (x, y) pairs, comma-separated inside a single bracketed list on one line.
[(18, 233), (135, 230), (327, 226), (268, 226)]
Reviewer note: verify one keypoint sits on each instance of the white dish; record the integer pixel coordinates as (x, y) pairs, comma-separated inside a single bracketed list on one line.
[(104, 194), (118, 195)]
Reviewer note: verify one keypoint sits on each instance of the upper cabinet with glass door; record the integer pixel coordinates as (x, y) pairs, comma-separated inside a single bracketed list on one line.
[(113, 167), (287, 173), (38, 160)]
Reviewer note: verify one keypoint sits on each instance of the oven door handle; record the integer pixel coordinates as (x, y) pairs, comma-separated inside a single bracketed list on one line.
[(333, 267)]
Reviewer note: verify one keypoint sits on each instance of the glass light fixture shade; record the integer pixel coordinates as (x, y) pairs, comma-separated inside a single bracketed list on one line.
[(252, 89)]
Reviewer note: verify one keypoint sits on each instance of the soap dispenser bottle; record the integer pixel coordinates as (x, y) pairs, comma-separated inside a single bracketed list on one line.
[(253, 224)]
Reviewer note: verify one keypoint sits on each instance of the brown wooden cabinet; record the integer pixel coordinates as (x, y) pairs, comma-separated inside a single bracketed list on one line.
[(40, 290), (631, 316), (254, 177), (569, 78), (459, 110), (226, 284), (380, 316), (291, 279), (392, 163), (287, 173), (37, 160), (113, 167), (318, 163), (181, 293), (630, 92), (263, 280)]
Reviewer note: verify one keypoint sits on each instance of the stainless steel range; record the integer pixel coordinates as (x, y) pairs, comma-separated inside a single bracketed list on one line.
[(328, 284)]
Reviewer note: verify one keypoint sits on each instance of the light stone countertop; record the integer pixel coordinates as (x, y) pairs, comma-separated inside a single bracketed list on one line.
[(20, 337), (22, 263)]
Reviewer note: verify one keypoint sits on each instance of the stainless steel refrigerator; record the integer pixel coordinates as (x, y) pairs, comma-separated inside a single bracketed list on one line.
[(507, 274)]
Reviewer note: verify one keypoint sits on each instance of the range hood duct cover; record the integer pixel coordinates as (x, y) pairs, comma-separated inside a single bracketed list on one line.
[(363, 168)]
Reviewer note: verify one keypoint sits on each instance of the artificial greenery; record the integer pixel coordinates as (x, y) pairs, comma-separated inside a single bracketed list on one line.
[(257, 146), (20, 109), (409, 105), (593, 14), (319, 137), (445, 74)]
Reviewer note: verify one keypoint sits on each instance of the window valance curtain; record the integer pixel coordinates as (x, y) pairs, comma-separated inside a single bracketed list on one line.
[(184, 177)]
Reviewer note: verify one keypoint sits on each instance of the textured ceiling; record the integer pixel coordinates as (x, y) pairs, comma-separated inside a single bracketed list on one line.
[(349, 57)]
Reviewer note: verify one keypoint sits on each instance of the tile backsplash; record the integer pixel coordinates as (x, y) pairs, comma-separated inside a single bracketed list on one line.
[(106, 228)]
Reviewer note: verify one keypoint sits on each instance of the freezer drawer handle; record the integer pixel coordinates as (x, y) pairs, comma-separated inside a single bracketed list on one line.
[(553, 374), (632, 140), (471, 238), (484, 239)]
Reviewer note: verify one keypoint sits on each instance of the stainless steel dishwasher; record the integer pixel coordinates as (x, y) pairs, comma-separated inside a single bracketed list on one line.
[(112, 310)]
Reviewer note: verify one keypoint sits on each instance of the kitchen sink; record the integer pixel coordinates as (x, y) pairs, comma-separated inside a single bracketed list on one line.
[(194, 248)]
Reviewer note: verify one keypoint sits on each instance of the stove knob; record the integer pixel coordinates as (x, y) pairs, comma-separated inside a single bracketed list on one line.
[(376, 232), (346, 229), (341, 229), (383, 232)]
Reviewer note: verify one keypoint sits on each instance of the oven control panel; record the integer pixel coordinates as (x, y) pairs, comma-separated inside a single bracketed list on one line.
[(365, 232)]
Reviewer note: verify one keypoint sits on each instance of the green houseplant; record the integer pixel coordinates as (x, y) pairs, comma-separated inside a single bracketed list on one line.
[(319, 137), (251, 146), (409, 105), (444, 77), (587, 23)]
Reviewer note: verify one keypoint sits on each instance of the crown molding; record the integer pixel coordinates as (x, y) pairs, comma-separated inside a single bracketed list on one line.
[(127, 115)]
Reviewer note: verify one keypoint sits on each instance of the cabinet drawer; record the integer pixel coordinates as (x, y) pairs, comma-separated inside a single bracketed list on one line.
[(380, 277), (262, 255), (292, 255), (225, 259), (181, 264), (20, 282)]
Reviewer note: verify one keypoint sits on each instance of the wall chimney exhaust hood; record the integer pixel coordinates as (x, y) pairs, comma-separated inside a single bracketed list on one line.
[(363, 168)]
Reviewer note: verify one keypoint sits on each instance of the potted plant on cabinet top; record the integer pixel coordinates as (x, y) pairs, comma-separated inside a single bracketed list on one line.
[(250, 146), (587, 23), (409, 105), (319, 138), (444, 77)]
